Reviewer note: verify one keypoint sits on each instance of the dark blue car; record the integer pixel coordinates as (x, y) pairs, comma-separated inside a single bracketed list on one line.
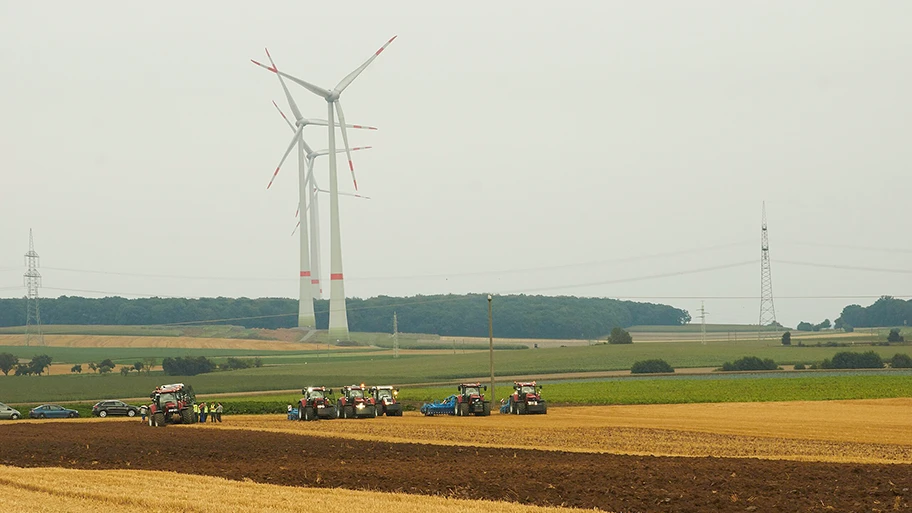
[(52, 411)]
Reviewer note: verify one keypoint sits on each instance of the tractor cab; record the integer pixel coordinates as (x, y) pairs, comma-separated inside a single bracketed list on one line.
[(385, 400), (355, 403), (172, 403), (470, 399), (316, 404), (526, 398)]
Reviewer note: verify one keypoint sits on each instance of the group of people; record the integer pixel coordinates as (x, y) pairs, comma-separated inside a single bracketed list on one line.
[(212, 411)]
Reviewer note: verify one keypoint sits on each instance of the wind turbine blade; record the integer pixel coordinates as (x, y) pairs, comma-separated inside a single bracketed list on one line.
[(351, 166), (323, 122), (296, 228), (354, 74), (320, 153), (317, 90), (291, 102), (283, 116), (294, 140), (343, 193)]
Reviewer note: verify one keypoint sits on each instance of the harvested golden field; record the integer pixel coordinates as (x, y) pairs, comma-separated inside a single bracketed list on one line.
[(834, 431), (164, 342), (78, 491)]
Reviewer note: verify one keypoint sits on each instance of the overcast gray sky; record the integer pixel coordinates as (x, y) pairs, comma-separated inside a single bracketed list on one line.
[(563, 148)]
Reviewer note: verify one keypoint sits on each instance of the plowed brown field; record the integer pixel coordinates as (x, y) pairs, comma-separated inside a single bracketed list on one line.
[(610, 482)]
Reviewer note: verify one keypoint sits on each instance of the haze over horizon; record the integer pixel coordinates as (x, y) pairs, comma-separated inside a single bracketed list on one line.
[(599, 149)]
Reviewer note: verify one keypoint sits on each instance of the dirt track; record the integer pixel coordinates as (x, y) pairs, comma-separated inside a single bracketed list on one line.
[(608, 482)]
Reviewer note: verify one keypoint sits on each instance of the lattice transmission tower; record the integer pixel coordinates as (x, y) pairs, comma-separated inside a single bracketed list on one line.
[(32, 279), (767, 309)]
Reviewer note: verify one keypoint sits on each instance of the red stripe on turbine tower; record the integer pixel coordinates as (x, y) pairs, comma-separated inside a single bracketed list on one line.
[(314, 282), (337, 276), (305, 273)]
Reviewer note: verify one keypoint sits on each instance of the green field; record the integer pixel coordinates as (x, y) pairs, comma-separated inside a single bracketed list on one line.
[(283, 371)]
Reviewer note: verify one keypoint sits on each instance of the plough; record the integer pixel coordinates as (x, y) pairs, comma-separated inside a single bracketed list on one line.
[(445, 407)]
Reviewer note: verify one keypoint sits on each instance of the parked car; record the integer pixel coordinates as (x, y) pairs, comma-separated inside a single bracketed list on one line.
[(104, 408), (7, 412), (52, 411)]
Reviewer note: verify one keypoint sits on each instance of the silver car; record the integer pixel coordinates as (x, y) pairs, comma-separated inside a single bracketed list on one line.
[(7, 412)]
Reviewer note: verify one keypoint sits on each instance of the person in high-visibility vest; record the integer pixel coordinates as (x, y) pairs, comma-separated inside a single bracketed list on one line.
[(196, 412)]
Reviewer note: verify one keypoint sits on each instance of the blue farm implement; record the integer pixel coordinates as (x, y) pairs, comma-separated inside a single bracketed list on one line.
[(469, 401)]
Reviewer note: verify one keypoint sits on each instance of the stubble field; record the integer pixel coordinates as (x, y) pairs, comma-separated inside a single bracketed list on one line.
[(803, 456)]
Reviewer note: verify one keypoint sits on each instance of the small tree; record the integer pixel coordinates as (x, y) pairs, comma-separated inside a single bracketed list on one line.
[(104, 369), (23, 369), (149, 364), (901, 361), (138, 366), (39, 363), (894, 336), (619, 336), (106, 363), (787, 338), (805, 326), (77, 369), (125, 370), (8, 362), (651, 367), (93, 367)]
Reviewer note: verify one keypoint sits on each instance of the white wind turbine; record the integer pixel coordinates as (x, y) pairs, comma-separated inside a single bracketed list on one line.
[(313, 204), (338, 316), (306, 316)]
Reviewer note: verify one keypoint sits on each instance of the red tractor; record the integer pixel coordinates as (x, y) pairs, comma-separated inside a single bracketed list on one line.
[(470, 400), (385, 400), (355, 403), (526, 398), (316, 404), (172, 404)]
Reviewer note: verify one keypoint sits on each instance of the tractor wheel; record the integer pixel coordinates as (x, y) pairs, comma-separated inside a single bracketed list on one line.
[(102, 414), (309, 414), (186, 416), (151, 420), (349, 412), (521, 408), (464, 410), (486, 410), (456, 410), (158, 419), (399, 413)]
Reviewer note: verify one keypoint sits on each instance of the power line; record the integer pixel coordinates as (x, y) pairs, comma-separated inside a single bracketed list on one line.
[(847, 246), (846, 267), (627, 280), (177, 277), (418, 276)]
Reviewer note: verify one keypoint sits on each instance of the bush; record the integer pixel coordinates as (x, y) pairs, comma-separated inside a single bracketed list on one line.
[(894, 336), (651, 367), (749, 363), (800, 366), (850, 360), (187, 366), (787, 338), (901, 361), (619, 336)]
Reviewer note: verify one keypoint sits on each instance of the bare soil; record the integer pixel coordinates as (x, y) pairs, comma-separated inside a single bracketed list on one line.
[(605, 481)]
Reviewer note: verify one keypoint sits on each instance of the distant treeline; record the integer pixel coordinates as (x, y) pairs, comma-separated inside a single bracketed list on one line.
[(517, 316), (886, 311)]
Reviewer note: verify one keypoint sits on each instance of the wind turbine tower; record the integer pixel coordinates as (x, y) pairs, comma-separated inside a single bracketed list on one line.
[(32, 279), (338, 315), (767, 309)]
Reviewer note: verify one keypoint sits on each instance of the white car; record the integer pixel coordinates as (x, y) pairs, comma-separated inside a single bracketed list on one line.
[(7, 412)]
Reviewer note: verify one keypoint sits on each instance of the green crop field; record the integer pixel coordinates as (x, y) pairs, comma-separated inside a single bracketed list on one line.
[(675, 391), (283, 371)]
